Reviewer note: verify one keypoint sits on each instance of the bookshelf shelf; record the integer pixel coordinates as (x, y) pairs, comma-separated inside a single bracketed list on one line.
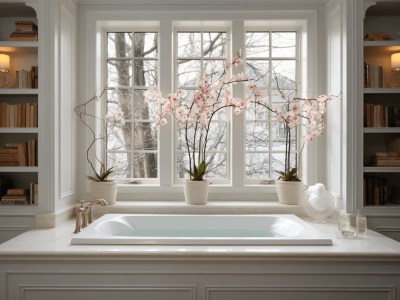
[(18, 44), (19, 169), (381, 129), (19, 130), (381, 169), (381, 90), (19, 91), (389, 43)]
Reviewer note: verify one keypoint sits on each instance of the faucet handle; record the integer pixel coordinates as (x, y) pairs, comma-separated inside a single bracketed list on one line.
[(82, 202)]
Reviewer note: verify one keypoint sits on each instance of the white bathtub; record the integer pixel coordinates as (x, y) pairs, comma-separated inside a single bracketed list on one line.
[(120, 229)]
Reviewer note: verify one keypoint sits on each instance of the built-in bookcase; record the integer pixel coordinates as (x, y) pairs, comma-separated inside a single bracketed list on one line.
[(19, 116), (381, 109)]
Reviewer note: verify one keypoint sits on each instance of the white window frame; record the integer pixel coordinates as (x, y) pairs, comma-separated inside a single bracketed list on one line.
[(254, 27), (193, 26), (131, 29), (97, 21)]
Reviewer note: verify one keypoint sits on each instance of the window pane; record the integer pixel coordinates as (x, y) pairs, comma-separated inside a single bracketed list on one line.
[(121, 164), (283, 44), (141, 109), (119, 100), (257, 112), (257, 136), (217, 167), (145, 136), (284, 74), (257, 44), (214, 69), (217, 136), (146, 44), (189, 72), (257, 70), (279, 137), (145, 165), (119, 138), (257, 165), (214, 44), (189, 44), (282, 96), (146, 72), (278, 163), (119, 44), (119, 73)]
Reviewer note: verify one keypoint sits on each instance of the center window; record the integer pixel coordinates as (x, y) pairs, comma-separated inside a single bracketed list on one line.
[(269, 57)]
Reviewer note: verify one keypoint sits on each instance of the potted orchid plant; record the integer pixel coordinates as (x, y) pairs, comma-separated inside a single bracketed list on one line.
[(194, 114), (308, 113), (102, 186)]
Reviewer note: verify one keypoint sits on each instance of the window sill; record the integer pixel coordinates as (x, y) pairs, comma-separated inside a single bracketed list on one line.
[(212, 207), (223, 193)]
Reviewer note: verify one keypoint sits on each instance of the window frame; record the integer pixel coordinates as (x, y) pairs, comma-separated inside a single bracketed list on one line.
[(190, 26), (98, 20), (297, 58)]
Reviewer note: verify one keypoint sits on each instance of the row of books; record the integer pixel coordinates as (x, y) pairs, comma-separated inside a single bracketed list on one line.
[(19, 154), (378, 36), (373, 76), (24, 31), (28, 79), (387, 159), (377, 115), (20, 196), (18, 115), (375, 191)]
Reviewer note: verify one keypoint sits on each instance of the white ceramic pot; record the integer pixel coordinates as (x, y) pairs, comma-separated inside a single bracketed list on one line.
[(106, 190), (290, 192), (196, 192)]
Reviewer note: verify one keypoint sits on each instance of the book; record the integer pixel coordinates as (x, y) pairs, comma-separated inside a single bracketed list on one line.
[(377, 115), (33, 193), (25, 26), (378, 36), (24, 38), (17, 191), (376, 190), (18, 115)]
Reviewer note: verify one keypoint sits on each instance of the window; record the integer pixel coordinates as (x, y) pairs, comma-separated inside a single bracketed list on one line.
[(133, 63), (271, 57), (132, 68), (199, 53)]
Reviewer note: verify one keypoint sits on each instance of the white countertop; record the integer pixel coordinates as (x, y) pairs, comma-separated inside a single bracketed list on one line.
[(56, 242)]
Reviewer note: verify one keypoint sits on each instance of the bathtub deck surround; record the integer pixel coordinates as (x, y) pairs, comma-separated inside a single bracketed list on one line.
[(123, 229), (42, 264)]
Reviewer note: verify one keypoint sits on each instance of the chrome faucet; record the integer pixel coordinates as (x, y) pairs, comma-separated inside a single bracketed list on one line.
[(84, 214)]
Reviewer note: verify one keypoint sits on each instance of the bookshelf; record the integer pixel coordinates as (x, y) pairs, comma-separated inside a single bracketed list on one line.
[(19, 101), (381, 113)]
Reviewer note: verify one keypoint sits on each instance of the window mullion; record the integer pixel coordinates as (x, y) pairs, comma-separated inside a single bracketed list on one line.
[(166, 143), (237, 162)]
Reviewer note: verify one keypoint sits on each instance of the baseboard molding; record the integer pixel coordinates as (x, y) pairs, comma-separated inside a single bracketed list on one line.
[(52, 220)]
